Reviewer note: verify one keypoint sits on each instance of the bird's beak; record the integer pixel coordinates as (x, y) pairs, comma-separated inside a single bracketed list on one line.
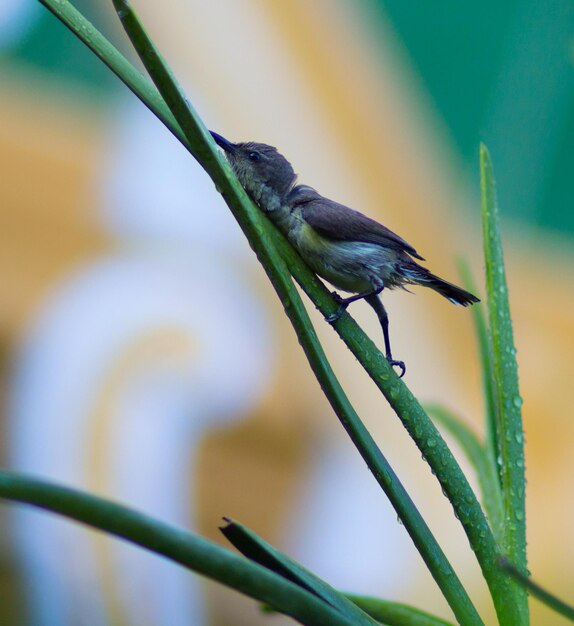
[(223, 143)]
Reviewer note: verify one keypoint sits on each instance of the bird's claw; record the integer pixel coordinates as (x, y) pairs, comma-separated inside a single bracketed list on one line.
[(342, 308), (336, 315), (399, 364)]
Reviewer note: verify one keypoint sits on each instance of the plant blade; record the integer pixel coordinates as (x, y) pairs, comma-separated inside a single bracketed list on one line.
[(187, 119), (537, 591), (487, 367), (396, 613), (90, 36), (506, 390), (177, 544), (258, 550), (481, 461)]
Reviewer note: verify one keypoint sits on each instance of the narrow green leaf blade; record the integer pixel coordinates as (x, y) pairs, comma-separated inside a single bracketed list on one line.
[(487, 366), (203, 146), (507, 394), (177, 544), (480, 459), (84, 30), (258, 550), (396, 613), (537, 591)]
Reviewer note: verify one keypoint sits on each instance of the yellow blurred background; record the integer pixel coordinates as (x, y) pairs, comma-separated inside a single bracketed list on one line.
[(144, 356)]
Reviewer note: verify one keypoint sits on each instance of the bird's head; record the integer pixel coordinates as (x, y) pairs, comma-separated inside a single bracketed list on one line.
[(263, 172)]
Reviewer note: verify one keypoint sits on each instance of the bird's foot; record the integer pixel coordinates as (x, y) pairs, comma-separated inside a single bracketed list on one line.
[(400, 364), (343, 304)]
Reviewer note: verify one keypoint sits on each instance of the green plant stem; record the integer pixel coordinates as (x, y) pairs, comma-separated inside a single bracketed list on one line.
[(266, 241), (177, 544), (506, 391), (480, 458), (537, 591), (257, 549), (395, 613), (487, 368), (115, 61)]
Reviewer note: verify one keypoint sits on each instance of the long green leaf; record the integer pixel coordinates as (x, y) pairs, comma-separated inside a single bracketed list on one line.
[(507, 394), (487, 367), (258, 550), (91, 37), (481, 461), (177, 544), (537, 591), (396, 613)]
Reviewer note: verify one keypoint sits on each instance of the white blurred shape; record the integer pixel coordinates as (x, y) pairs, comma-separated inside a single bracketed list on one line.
[(208, 362), (346, 531), (130, 361), (156, 190)]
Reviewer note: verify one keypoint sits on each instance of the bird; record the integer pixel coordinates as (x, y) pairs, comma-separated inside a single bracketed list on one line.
[(348, 249)]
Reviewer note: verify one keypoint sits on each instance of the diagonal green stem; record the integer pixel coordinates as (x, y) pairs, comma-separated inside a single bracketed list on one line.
[(115, 61), (549, 599), (257, 549), (177, 544), (480, 458)]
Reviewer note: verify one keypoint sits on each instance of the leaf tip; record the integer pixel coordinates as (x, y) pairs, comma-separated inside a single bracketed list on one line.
[(485, 159), (227, 523)]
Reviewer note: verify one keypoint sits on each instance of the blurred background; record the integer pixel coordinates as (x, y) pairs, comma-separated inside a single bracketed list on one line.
[(143, 354)]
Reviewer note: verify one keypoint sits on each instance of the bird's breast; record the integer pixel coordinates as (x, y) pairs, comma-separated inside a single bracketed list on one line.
[(348, 265)]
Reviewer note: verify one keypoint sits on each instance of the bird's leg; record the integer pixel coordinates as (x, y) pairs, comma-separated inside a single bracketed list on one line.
[(344, 302), (381, 312)]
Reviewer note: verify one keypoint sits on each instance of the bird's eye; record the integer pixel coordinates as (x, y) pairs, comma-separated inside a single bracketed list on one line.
[(254, 156)]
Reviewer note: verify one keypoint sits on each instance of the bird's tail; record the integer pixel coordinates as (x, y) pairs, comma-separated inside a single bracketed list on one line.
[(421, 276)]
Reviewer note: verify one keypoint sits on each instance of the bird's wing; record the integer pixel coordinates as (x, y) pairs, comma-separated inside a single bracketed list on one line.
[(336, 221)]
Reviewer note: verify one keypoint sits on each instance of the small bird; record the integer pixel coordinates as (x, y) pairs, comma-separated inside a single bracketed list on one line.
[(348, 249)]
